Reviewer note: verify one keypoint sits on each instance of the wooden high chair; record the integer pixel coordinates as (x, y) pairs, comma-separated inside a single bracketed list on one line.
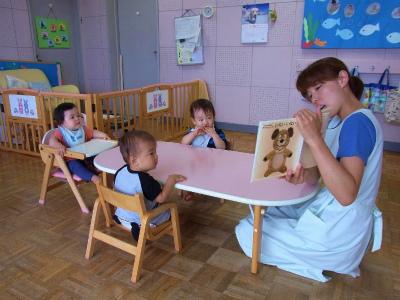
[(55, 166), (132, 203)]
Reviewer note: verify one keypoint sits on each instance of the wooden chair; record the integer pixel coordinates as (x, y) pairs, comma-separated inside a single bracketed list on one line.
[(55, 166), (132, 203)]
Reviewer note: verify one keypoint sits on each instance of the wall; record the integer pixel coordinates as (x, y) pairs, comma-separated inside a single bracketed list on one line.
[(98, 44), (69, 58), (249, 83), (15, 31), (17, 37)]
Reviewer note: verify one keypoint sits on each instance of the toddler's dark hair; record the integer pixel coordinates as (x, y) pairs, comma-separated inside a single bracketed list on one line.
[(60, 110), (325, 69), (203, 104), (129, 141)]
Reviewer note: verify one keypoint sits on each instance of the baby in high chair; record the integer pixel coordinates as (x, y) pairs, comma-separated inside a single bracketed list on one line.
[(72, 132), (139, 151)]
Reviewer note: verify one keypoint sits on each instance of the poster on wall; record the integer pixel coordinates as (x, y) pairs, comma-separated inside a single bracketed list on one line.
[(189, 45), (156, 101), (52, 33), (351, 24), (23, 106), (255, 23)]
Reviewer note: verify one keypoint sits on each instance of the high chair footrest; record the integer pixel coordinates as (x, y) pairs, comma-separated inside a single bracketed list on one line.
[(60, 174)]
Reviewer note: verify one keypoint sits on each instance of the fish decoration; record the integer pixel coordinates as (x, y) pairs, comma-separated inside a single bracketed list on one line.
[(369, 29), (344, 34), (393, 37), (330, 23)]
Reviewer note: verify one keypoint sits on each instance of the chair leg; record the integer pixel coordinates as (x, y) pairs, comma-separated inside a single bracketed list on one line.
[(72, 184), (46, 177), (93, 225), (141, 244), (107, 213), (176, 229)]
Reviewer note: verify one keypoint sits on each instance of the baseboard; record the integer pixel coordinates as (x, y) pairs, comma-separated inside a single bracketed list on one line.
[(391, 146), (388, 146), (237, 127)]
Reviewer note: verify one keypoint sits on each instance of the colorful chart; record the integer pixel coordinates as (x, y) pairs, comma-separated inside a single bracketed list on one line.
[(52, 33)]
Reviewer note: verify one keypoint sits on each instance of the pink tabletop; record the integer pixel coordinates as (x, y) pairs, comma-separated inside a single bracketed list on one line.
[(217, 173)]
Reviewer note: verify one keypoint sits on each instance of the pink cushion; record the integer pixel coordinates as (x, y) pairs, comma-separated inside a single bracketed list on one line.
[(60, 174)]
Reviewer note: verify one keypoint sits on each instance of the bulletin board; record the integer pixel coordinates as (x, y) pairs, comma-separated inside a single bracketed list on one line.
[(51, 70), (188, 36), (52, 33), (351, 24)]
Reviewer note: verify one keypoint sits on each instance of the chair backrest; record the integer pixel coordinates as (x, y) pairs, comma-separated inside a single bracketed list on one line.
[(47, 135), (128, 202)]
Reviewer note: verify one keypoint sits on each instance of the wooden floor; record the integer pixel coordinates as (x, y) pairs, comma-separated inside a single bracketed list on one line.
[(42, 249)]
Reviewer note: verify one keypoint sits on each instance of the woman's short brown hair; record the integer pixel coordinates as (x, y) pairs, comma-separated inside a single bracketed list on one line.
[(128, 143), (326, 69)]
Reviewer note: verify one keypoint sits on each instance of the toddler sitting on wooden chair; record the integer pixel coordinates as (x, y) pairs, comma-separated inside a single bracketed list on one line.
[(139, 151), (204, 134)]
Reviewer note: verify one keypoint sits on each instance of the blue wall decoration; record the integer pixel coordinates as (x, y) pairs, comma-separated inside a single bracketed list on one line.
[(52, 70), (351, 24)]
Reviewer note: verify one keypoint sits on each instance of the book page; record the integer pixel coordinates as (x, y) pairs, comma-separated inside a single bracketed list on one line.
[(278, 148), (94, 147)]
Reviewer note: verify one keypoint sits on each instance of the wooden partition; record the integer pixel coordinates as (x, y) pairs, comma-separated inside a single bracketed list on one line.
[(23, 132), (161, 109), (119, 111), (24, 121), (82, 101)]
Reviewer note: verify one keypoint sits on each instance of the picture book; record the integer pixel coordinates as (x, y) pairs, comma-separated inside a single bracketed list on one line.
[(94, 147), (280, 147)]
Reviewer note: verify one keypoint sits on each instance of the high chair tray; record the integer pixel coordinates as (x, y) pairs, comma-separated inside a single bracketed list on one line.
[(94, 147)]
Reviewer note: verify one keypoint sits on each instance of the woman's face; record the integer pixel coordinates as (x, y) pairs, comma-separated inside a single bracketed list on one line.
[(329, 94)]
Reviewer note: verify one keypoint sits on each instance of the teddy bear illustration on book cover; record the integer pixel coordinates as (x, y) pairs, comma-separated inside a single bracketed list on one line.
[(278, 148), (277, 157)]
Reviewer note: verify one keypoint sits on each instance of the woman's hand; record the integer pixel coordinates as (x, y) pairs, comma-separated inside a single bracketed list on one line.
[(309, 124), (301, 175), (297, 176)]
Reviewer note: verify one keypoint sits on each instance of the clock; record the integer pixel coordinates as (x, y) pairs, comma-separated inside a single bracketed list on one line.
[(208, 11)]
